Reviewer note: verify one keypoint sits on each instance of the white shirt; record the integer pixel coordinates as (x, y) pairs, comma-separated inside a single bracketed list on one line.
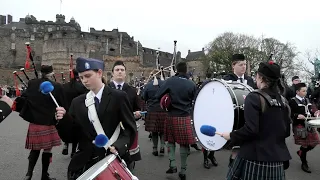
[(99, 94), (298, 97), (116, 84), (243, 80)]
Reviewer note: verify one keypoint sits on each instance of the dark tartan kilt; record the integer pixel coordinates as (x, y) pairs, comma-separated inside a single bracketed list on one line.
[(42, 137), (155, 121), (311, 140), (254, 170), (143, 104), (179, 130)]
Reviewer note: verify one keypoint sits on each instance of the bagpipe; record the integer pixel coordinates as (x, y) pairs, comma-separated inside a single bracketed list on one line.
[(160, 70)]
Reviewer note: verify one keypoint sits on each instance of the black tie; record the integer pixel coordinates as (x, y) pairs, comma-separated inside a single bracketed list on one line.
[(96, 103), (303, 101), (119, 86), (241, 80)]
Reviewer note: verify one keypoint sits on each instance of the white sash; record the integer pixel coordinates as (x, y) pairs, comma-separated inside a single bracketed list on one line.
[(94, 119)]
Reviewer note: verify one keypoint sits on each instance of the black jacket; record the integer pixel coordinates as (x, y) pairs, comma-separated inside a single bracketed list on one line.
[(264, 135), (233, 77), (39, 108), (113, 109), (6, 110)]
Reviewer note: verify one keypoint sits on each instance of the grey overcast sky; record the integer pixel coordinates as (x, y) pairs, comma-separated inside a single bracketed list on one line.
[(193, 23)]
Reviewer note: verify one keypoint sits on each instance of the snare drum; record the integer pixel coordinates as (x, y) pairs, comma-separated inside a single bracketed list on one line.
[(219, 104), (109, 168), (314, 123)]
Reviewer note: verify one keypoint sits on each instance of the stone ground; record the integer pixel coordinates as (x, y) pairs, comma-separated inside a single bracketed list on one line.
[(13, 159)]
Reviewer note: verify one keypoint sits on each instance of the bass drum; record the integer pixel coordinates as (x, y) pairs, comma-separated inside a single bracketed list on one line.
[(219, 104)]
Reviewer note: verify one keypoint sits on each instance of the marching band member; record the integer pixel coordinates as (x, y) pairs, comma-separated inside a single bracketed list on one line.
[(239, 66), (112, 106), (263, 147), (72, 89), (119, 76), (156, 116), (178, 128), (208, 155), (5, 107), (39, 110), (307, 138)]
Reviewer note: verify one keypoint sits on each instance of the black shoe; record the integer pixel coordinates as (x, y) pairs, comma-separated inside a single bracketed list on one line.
[(47, 177), (305, 167), (206, 164), (28, 176), (65, 151), (195, 146), (213, 161), (182, 176), (172, 170), (155, 153), (162, 151)]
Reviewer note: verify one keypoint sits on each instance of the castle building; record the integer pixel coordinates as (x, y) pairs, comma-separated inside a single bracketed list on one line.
[(53, 42)]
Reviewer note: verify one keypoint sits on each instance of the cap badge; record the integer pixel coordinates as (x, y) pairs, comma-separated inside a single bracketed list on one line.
[(87, 65)]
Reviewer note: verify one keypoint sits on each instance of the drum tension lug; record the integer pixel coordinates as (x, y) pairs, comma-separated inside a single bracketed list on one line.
[(116, 175)]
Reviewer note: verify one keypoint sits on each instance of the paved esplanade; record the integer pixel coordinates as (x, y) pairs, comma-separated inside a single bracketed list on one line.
[(14, 162)]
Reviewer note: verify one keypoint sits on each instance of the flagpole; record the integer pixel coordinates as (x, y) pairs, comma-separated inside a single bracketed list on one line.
[(60, 5)]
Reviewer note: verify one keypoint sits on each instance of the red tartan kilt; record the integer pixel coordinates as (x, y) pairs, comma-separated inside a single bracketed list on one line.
[(155, 121), (311, 140), (42, 137), (179, 130)]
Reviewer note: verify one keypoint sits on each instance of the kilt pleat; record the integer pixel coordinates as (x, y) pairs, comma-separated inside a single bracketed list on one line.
[(155, 121), (179, 130), (254, 170), (311, 140), (42, 137)]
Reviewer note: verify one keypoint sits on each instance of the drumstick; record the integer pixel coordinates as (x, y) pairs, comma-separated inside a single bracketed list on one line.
[(209, 130)]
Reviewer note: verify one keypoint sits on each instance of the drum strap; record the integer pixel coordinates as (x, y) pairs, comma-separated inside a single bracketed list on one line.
[(93, 117)]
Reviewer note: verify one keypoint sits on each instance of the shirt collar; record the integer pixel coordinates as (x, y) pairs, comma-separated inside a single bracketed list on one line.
[(298, 97), (99, 94), (116, 84), (240, 76)]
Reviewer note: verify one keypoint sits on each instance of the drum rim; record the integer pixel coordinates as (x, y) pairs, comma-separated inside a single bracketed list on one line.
[(98, 171), (194, 102)]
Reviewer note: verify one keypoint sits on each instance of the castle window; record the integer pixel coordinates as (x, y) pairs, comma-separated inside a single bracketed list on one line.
[(34, 29), (151, 52), (50, 35), (58, 28), (32, 37), (64, 34), (82, 35), (97, 37), (110, 39), (143, 50), (130, 44), (49, 29), (112, 49)]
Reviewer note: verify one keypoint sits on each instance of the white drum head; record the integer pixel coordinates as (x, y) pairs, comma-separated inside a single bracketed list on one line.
[(213, 106), (314, 122)]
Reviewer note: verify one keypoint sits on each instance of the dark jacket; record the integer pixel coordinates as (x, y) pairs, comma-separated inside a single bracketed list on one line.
[(149, 95), (264, 135), (296, 110), (6, 110), (182, 92), (113, 109), (39, 108), (132, 94), (233, 77), (73, 89)]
